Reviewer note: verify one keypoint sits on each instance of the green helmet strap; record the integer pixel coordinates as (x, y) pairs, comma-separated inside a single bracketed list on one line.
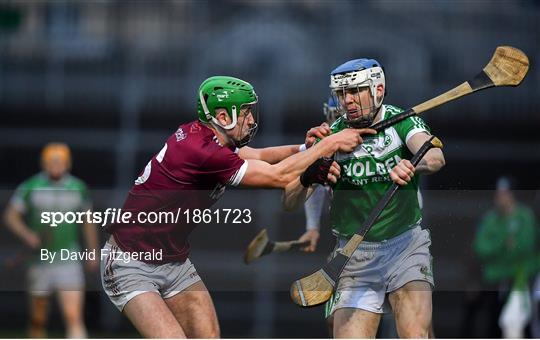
[(212, 118)]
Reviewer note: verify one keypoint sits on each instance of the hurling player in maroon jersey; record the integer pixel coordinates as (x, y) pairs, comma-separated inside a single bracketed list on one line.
[(163, 296)]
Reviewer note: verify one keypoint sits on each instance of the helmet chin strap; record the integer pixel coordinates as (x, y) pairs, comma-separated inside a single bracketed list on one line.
[(223, 132), (364, 122), (230, 140)]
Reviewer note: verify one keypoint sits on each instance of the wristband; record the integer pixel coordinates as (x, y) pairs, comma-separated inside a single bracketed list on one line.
[(317, 172)]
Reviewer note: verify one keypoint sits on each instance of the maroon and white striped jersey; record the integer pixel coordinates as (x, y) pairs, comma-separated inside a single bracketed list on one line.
[(190, 172)]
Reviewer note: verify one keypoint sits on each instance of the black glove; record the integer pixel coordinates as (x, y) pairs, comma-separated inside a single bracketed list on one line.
[(317, 172)]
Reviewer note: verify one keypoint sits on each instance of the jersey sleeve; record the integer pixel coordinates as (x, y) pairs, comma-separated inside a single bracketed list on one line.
[(338, 125), (19, 200), (411, 126), (224, 166), (314, 207)]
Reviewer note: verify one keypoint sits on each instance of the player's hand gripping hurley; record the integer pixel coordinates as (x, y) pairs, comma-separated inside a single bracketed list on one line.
[(317, 288), (507, 67)]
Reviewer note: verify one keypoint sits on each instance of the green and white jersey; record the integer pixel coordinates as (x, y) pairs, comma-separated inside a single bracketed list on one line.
[(365, 176), (39, 194)]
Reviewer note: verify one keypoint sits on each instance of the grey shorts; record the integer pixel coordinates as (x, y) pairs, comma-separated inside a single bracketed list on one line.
[(44, 278), (379, 268), (123, 280)]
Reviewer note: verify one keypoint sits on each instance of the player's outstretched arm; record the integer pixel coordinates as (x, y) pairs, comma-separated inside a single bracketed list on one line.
[(263, 174), (271, 155), (276, 154)]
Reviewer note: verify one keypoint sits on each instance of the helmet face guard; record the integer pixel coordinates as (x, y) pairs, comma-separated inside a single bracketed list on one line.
[(235, 96), (353, 77), (363, 119), (247, 109)]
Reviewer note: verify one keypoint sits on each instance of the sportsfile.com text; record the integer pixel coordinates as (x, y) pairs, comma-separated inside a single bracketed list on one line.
[(113, 215)]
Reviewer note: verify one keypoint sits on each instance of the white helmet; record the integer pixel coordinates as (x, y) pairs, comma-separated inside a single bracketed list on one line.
[(359, 73)]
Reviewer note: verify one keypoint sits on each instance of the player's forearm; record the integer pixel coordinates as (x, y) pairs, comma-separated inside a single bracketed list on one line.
[(16, 225), (292, 167), (276, 154), (293, 194), (432, 162)]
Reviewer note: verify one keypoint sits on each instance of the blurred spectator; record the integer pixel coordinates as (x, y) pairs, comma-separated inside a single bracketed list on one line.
[(505, 245), (53, 190)]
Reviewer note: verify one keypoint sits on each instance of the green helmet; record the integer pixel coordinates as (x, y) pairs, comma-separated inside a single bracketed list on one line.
[(233, 95), (224, 92)]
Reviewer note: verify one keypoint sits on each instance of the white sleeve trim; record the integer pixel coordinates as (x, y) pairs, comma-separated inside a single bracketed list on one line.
[(239, 175), (414, 132), (236, 150)]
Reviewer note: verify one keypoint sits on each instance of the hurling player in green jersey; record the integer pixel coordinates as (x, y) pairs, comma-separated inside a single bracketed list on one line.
[(392, 267), (53, 190), (317, 206), (505, 245)]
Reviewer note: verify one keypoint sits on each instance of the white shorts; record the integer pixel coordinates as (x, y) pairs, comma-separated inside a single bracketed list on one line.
[(124, 280), (44, 278), (378, 268)]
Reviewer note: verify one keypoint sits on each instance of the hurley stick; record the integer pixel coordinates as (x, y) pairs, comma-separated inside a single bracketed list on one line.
[(261, 245), (507, 67)]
